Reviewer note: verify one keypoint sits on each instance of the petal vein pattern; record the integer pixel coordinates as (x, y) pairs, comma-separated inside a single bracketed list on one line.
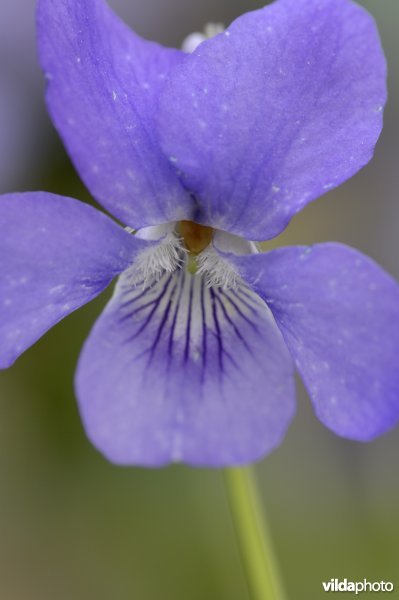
[(183, 372)]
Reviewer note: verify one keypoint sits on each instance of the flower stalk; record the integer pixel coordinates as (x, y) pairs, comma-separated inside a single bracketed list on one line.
[(252, 534)]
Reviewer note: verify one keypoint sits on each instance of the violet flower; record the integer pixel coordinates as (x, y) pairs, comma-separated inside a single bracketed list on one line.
[(193, 358)]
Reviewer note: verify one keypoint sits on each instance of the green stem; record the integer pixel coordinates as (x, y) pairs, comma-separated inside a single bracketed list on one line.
[(253, 535)]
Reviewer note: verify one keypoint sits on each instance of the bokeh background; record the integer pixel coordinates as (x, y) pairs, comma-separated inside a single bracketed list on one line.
[(73, 526)]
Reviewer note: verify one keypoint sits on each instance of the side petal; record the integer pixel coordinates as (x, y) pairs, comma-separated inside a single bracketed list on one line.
[(183, 372), (56, 255), (103, 81), (339, 314), (282, 107)]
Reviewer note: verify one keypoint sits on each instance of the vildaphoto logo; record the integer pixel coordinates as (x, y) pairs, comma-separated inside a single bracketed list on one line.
[(357, 587)]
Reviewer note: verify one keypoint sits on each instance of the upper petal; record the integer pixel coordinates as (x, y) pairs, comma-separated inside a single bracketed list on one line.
[(181, 372), (339, 315), (283, 106), (103, 82), (56, 254)]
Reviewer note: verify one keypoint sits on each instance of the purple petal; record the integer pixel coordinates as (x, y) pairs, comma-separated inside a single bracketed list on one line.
[(284, 106), (339, 315), (103, 81), (181, 372), (56, 255)]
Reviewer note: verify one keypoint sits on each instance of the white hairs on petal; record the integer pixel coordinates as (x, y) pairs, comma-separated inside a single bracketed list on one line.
[(154, 261), (216, 271)]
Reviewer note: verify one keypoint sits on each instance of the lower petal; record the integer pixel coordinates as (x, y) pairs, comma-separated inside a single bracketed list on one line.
[(56, 255), (339, 314), (183, 372)]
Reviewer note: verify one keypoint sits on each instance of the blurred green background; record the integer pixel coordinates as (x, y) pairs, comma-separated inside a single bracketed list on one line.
[(73, 526)]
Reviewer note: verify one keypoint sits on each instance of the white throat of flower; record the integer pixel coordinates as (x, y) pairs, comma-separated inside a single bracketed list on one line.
[(169, 253)]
